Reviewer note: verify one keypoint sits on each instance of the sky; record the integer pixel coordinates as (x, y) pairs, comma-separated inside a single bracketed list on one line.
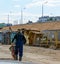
[(21, 11)]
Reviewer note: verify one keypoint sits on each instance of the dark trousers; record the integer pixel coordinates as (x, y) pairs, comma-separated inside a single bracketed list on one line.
[(19, 50)]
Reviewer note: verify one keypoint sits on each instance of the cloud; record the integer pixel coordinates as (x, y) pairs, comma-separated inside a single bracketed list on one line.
[(30, 14), (19, 13), (35, 0), (33, 4), (3, 18), (51, 3), (15, 0), (17, 16), (17, 6)]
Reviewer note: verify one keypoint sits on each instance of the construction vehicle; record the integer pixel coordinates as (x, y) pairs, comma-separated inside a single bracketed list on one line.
[(52, 38)]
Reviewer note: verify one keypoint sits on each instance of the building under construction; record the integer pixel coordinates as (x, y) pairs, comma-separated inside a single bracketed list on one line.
[(45, 34)]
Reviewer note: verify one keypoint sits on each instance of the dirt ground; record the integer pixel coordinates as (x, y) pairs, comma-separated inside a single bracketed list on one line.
[(39, 55)]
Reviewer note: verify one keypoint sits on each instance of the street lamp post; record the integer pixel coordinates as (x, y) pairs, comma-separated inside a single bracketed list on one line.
[(22, 15), (8, 18), (43, 8)]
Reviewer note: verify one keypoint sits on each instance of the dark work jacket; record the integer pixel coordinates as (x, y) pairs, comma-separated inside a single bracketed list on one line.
[(20, 39)]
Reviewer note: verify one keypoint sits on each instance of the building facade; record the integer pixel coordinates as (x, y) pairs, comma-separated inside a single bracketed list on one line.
[(47, 18)]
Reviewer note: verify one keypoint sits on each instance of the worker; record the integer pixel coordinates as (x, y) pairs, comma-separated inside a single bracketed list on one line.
[(20, 41)]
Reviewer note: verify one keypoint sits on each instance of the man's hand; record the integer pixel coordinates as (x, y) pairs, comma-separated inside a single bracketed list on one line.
[(12, 44), (10, 29)]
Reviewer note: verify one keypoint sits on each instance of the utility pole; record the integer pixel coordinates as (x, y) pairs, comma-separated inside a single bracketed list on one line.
[(21, 16), (42, 10), (43, 7), (21, 21), (8, 18)]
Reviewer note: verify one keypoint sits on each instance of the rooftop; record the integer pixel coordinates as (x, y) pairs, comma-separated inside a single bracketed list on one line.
[(36, 26)]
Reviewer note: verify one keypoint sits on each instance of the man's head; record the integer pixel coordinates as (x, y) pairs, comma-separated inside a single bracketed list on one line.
[(18, 30), (21, 30)]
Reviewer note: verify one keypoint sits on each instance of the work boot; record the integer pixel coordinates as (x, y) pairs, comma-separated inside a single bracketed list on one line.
[(20, 58)]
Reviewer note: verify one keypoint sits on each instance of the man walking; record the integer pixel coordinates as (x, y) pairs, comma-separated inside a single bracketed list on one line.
[(20, 40)]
